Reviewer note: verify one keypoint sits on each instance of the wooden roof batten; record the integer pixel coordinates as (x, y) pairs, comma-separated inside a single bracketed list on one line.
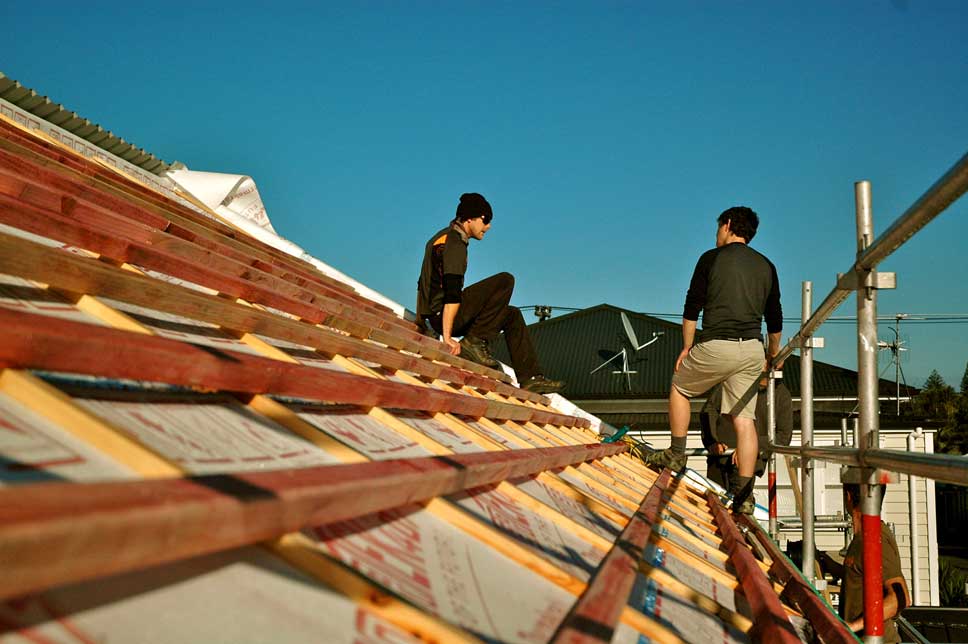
[(490, 469), (137, 244)]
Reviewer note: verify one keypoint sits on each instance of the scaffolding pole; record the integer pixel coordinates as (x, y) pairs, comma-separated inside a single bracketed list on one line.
[(867, 402), (806, 433), (771, 462)]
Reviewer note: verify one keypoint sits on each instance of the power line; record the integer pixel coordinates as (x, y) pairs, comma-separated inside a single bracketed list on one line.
[(543, 311)]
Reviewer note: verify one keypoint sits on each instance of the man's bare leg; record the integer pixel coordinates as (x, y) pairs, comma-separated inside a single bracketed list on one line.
[(675, 456), (679, 414), (747, 445)]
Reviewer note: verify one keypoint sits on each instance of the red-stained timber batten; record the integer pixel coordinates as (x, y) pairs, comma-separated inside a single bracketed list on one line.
[(147, 242), (82, 181), (593, 618), (58, 533), (76, 274), (124, 240), (40, 342), (770, 623), (826, 623)]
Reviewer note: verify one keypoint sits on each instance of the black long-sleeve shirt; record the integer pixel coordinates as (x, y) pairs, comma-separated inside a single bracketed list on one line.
[(735, 287)]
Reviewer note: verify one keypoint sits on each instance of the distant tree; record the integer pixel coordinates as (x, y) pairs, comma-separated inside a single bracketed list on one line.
[(964, 382), (936, 400), (939, 402)]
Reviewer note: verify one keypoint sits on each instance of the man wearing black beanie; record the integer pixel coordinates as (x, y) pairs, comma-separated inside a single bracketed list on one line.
[(480, 311)]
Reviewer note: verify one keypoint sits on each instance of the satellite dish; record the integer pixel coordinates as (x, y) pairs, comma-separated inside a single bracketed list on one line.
[(624, 353), (631, 333)]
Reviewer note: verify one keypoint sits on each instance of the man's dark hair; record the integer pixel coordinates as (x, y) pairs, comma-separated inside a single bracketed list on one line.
[(852, 495), (742, 221), (473, 205)]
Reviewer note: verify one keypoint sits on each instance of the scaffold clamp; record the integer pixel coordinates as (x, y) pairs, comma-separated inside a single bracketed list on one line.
[(870, 476), (855, 281)]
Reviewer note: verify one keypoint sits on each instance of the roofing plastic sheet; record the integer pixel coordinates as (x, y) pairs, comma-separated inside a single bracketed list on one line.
[(569, 507), (449, 574), (34, 449), (361, 432), (177, 327), (244, 596), (206, 437), (684, 618), (437, 431), (18, 294), (691, 576), (559, 547)]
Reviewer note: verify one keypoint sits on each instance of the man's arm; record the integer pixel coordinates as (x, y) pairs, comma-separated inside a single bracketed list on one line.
[(695, 301), (688, 336), (774, 318), (773, 347), (453, 265), (896, 599), (447, 327)]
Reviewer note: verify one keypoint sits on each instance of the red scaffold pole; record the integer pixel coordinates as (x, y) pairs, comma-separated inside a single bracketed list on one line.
[(873, 575)]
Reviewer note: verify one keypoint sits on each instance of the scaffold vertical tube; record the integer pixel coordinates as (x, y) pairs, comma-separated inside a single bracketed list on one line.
[(867, 438), (844, 443), (771, 463), (806, 433), (913, 524)]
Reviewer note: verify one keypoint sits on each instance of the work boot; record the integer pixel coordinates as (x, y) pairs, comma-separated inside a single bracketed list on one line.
[(743, 501), (540, 385), (477, 350), (746, 506), (665, 458)]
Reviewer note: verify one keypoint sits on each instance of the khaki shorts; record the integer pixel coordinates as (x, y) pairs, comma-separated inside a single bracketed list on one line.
[(738, 364)]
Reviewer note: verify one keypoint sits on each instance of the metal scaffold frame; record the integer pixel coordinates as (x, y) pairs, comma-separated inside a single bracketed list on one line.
[(867, 463)]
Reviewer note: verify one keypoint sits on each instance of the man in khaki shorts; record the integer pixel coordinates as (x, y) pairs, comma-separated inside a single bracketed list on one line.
[(735, 287)]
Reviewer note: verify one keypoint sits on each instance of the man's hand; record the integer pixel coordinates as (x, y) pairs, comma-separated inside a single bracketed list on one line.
[(682, 356), (453, 346), (718, 448)]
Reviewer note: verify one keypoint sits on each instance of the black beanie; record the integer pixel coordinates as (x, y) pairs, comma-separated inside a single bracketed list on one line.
[(473, 204)]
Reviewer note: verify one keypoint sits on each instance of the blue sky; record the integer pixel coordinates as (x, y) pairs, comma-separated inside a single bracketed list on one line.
[(607, 135)]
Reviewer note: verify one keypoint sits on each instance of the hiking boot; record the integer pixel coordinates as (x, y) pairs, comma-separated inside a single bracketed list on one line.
[(746, 506), (742, 501), (477, 350), (665, 458), (541, 385)]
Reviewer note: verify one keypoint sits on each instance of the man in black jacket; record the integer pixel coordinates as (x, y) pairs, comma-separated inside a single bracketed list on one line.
[(480, 311), (734, 287)]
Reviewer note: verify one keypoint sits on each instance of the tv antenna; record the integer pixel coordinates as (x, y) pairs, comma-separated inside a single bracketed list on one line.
[(896, 347), (624, 353)]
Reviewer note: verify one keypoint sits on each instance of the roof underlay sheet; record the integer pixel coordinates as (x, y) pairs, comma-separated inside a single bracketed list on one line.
[(205, 439)]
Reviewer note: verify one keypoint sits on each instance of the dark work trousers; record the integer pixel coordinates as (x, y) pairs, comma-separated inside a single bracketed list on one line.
[(720, 469), (485, 311)]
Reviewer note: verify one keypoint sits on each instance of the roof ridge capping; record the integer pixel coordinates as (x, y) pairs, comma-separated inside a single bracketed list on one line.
[(572, 315), (29, 100)]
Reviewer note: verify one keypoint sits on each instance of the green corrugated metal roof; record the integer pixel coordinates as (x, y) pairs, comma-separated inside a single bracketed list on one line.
[(44, 108), (572, 345)]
